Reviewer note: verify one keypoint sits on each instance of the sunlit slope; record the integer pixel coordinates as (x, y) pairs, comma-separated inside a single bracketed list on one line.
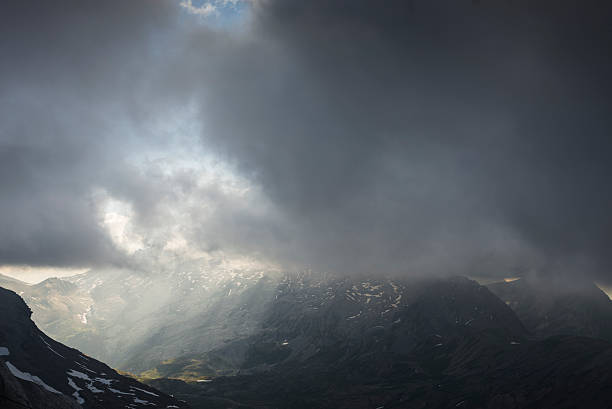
[(135, 321)]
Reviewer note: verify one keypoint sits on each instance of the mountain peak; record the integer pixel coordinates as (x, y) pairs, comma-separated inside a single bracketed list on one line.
[(13, 306)]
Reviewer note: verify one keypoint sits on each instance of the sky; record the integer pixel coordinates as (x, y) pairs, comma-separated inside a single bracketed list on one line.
[(355, 136)]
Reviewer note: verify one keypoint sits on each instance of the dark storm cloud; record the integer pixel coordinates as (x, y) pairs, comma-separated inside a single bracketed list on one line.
[(69, 74), (398, 136), (425, 136)]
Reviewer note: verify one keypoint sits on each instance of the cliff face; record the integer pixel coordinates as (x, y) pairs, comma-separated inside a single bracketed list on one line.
[(38, 372)]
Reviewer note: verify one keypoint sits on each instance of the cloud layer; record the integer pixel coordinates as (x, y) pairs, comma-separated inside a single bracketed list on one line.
[(412, 136)]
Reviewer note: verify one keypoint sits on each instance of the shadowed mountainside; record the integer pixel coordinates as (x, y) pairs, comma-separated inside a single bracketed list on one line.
[(390, 344), (548, 307), (37, 372)]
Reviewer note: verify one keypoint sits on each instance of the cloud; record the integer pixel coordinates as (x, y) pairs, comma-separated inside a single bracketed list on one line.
[(69, 81), (418, 137), (423, 137)]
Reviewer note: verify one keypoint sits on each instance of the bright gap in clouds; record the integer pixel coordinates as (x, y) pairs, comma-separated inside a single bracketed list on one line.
[(116, 218), (217, 13), (175, 207), (188, 199)]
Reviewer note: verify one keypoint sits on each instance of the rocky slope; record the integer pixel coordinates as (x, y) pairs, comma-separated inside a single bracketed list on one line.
[(348, 343), (558, 307), (249, 339), (136, 321), (311, 314), (38, 372)]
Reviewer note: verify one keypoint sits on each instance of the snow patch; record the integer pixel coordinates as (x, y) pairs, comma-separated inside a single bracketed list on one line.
[(73, 385), (118, 392), (93, 389), (84, 367), (4, 351), (78, 374), (78, 398), (76, 394), (29, 377), (142, 390), (51, 349), (143, 402), (105, 381), (353, 316)]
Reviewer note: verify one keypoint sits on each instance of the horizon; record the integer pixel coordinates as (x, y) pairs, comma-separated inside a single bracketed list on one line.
[(37, 277)]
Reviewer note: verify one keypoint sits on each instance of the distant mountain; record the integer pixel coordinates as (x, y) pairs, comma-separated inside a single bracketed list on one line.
[(558, 307), (13, 284), (37, 372), (225, 338), (135, 321), (351, 343), (311, 313)]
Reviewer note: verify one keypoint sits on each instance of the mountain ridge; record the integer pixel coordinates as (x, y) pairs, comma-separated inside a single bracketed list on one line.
[(250, 339), (558, 307), (320, 348), (39, 372)]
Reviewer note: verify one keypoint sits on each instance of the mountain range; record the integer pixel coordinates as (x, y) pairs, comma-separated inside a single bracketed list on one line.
[(439, 343), (135, 321), (264, 339)]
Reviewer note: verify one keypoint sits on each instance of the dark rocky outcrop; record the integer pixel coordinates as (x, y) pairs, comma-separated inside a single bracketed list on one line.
[(38, 372)]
